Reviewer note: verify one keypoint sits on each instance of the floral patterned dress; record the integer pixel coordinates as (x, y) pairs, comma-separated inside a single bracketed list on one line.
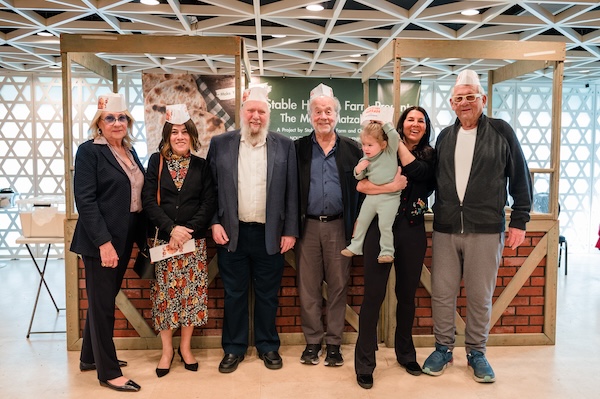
[(180, 292)]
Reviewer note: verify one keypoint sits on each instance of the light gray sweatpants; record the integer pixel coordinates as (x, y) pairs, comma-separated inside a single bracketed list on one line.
[(474, 258)]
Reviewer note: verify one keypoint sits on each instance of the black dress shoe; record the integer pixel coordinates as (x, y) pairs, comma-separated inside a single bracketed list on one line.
[(230, 362), (83, 366), (365, 380), (129, 386), (188, 366), (162, 372), (412, 368), (272, 360)]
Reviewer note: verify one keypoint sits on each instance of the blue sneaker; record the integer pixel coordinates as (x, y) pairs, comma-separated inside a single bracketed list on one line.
[(439, 359), (482, 371)]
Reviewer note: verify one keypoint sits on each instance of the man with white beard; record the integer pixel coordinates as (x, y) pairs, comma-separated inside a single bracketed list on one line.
[(253, 167)]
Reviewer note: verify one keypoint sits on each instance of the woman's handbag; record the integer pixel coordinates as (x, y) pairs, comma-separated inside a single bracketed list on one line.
[(143, 266)]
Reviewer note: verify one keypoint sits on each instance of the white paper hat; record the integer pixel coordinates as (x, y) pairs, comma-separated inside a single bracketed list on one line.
[(111, 102), (467, 77), (381, 113), (177, 114), (258, 92), (321, 90)]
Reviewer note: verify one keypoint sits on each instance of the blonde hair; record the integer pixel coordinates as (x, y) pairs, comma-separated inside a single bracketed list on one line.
[(96, 132), (374, 130)]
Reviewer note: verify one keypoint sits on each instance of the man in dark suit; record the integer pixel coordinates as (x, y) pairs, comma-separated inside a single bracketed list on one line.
[(253, 167), (328, 208)]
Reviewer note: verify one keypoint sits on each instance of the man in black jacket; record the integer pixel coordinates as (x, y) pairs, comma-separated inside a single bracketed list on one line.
[(328, 208), (477, 158)]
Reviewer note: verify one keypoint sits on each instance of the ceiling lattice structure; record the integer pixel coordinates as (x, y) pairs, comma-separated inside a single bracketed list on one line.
[(335, 42)]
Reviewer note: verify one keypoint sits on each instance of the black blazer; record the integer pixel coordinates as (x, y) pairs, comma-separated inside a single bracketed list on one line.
[(103, 198), (282, 187), (347, 155), (193, 206)]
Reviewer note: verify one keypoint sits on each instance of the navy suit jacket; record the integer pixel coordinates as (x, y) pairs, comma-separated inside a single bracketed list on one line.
[(103, 198), (282, 187)]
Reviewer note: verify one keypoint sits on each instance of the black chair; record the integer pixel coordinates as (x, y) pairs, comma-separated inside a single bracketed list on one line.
[(562, 244), (541, 204)]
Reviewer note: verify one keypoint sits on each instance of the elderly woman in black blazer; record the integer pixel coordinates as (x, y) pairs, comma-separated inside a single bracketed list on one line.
[(183, 212), (107, 185)]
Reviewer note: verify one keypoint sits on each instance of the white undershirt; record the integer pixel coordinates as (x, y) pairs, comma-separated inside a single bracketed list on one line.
[(463, 159), (252, 182)]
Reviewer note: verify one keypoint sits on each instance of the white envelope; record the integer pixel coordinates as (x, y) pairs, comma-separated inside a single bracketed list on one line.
[(161, 252)]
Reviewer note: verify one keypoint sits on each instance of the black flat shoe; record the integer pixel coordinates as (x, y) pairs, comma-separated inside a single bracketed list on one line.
[(129, 386), (83, 366), (162, 372), (188, 366), (412, 368), (365, 380), (230, 362), (272, 360)]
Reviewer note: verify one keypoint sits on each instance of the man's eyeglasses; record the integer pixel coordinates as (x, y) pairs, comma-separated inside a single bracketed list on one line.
[(110, 120), (469, 98)]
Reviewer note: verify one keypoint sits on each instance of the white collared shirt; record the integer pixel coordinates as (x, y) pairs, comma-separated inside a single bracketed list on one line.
[(252, 182)]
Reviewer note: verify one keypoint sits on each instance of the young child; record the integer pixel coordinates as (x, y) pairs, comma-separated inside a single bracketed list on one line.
[(379, 165)]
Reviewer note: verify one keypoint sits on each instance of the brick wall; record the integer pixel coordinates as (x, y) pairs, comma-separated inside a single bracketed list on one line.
[(524, 315)]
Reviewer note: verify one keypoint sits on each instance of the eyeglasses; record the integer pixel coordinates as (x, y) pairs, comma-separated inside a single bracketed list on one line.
[(469, 98), (110, 120)]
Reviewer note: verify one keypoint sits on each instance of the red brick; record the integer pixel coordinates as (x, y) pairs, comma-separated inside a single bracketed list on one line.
[(530, 310)]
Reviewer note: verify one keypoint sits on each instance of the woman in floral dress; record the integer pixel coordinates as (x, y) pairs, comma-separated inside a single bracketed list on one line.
[(181, 208)]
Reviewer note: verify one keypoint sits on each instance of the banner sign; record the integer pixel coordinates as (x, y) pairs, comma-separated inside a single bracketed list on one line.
[(289, 102)]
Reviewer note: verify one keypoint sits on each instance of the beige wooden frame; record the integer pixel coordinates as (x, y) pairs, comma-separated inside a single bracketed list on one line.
[(81, 49), (528, 57)]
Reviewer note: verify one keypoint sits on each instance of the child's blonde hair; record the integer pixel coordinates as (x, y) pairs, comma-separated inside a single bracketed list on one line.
[(374, 130)]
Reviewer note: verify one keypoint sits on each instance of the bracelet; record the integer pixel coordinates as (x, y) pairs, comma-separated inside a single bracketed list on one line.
[(172, 229)]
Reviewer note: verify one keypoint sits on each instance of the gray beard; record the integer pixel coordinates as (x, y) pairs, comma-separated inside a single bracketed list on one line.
[(254, 139)]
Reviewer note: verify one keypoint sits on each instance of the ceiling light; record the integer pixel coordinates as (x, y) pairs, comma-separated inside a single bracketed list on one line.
[(44, 33), (278, 35), (315, 7), (170, 58), (355, 55), (54, 66), (150, 2), (470, 12)]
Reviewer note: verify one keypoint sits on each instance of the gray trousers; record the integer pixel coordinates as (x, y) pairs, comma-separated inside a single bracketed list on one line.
[(318, 259), (474, 258)]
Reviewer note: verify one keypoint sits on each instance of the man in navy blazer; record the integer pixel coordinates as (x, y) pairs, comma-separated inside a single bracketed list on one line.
[(256, 223)]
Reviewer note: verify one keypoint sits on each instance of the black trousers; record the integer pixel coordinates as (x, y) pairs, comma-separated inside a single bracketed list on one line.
[(410, 243), (102, 286), (250, 265)]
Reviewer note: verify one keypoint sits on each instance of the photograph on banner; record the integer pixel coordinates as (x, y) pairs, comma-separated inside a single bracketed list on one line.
[(210, 100), (289, 102)]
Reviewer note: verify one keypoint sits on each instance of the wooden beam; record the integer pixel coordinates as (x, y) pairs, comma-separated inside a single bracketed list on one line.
[(474, 49), (133, 316), (92, 63), (379, 61), (518, 68), (107, 43)]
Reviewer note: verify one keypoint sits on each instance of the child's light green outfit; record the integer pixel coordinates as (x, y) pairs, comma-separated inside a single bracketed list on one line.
[(381, 170)]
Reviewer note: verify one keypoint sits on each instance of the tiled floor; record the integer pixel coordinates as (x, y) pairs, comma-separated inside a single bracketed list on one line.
[(41, 366)]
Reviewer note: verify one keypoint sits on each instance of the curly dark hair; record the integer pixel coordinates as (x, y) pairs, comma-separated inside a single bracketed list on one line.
[(423, 150)]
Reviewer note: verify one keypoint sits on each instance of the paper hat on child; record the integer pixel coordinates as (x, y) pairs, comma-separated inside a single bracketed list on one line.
[(380, 113), (177, 114), (112, 102), (467, 77), (258, 92), (321, 90)]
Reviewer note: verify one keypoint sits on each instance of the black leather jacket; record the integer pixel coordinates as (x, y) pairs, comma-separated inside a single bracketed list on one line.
[(498, 162)]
